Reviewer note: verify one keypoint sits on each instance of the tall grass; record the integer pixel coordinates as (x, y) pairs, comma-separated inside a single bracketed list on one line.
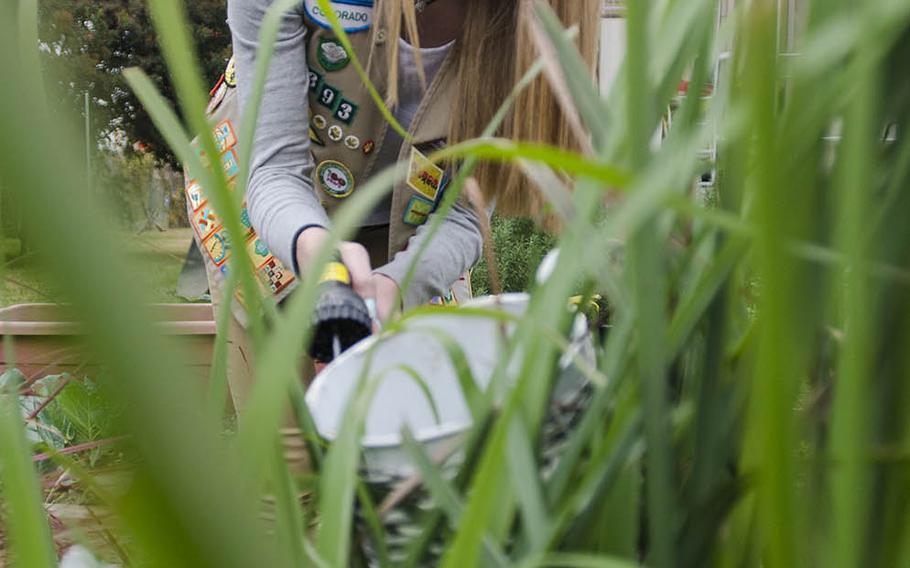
[(754, 412)]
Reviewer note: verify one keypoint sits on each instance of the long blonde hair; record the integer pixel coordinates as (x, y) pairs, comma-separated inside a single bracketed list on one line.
[(495, 50)]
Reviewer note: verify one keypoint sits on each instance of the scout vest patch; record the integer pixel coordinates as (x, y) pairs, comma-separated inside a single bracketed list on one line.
[(427, 179), (424, 177), (354, 15), (332, 55), (272, 276), (335, 178)]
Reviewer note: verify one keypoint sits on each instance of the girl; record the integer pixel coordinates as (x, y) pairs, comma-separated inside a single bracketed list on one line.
[(444, 67)]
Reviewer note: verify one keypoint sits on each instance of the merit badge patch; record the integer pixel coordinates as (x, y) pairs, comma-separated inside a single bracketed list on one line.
[(314, 137), (354, 15), (346, 111), (224, 136), (424, 176), (319, 121), (332, 55), (315, 80), (230, 73), (328, 96), (273, 276), (218, 247), (352, 142), (205, 221), (447, 300), (217, 96), (194, 195), (417, 211), (258, 251), (335, 178), (335, 133), (245, 220), (230, 164)]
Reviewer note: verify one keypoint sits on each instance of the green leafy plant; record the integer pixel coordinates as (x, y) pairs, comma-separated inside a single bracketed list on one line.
[(749, 402)]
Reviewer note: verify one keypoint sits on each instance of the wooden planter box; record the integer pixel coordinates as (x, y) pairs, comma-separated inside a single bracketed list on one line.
[(47, 341)]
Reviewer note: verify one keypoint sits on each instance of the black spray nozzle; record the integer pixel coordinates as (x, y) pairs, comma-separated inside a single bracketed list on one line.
[(341, 318)]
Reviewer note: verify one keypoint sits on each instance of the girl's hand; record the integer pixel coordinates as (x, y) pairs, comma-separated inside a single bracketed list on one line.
[(353, 255), (387, 296)]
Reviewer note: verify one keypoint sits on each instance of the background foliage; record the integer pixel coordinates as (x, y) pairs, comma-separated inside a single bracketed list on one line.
[(87, 45)]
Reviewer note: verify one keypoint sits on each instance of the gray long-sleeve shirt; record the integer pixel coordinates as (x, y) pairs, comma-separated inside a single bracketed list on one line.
[(280, 193)]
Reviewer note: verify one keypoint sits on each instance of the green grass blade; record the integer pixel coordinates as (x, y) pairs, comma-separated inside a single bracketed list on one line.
[(442, 492), (523, 467), (374, 523), (577, 560), (217, 398), (477, 402), (338, 481), (307, 425), (26, 523), (424, 388), (853, 415), (291, 529), (647, 279), (693, 306), (771, 439), (498, 149)]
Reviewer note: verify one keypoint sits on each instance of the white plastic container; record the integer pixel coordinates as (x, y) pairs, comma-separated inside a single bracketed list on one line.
[(401, 401)]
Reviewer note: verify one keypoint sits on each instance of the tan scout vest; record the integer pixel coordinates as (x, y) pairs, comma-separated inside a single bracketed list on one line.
[(346, 133)]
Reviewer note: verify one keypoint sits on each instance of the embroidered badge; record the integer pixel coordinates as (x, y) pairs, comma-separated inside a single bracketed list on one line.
[(352, 142), (230, 164), (319, 121), (368, 147), (217, 95), (230, 73), (335, 178), (354, 15), (314, 137), (315, 80), (218, 247), (258, 252), (328, 96), (332, 55), (346, 111), (245, 220), (194, 195), (273, 276), (417, 211), (205, 221), (424, 176), (447, 300), (335, 133), (224, 136)]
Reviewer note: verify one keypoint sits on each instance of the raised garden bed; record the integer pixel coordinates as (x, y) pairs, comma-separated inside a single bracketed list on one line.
[(48, 341)]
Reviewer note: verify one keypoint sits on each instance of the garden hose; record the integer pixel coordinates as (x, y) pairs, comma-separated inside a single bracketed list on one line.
[(340, 318)]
